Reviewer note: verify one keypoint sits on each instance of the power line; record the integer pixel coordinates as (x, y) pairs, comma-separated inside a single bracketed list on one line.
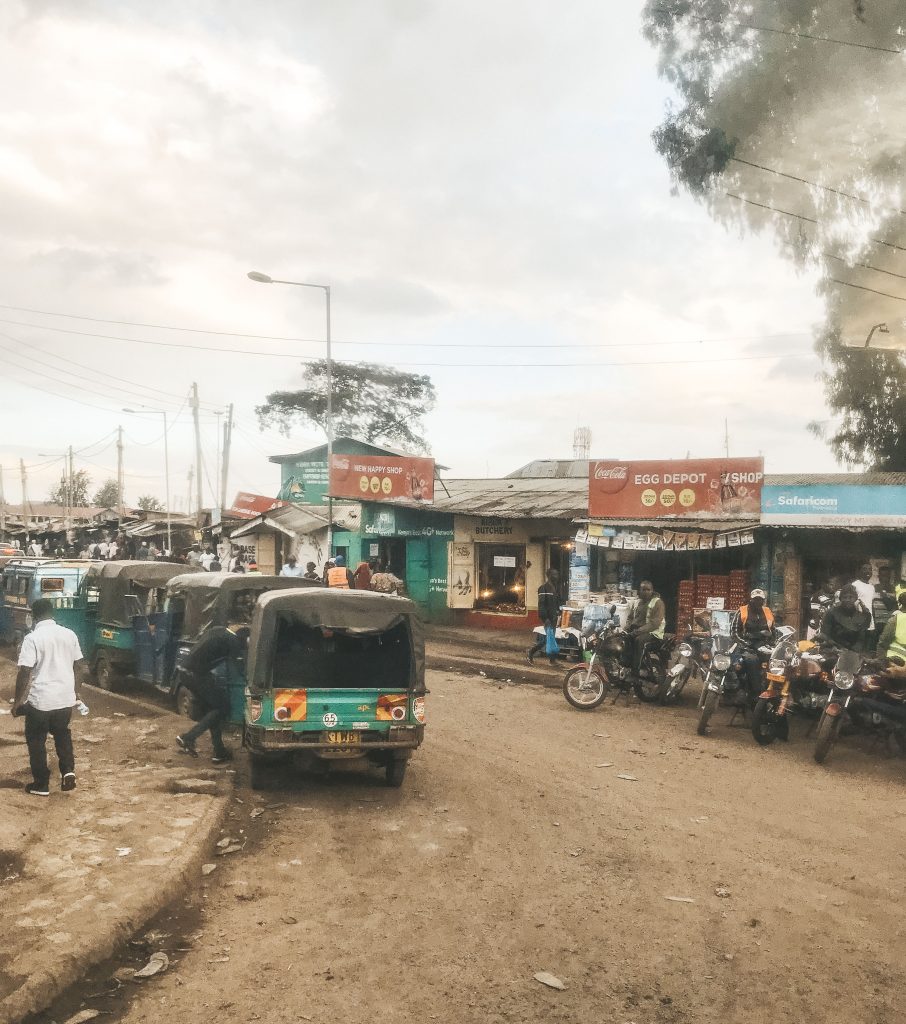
[(790, 32), (815, 184), (808, 220), (862, 288), (390, 344)]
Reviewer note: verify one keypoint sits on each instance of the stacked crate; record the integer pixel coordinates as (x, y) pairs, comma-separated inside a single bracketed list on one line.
[(740, 588), (685, 602)]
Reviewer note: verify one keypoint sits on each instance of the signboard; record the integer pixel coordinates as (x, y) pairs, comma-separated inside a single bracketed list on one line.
[(382, 478), (248, 506), (834, 505), (398, 521), (306, 483), (505, 561), (715, 604), (684, 488), (461, 576)]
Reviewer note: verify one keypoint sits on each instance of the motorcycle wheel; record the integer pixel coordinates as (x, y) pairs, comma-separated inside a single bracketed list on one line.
[(708, 708), (765, 722), (675, 688), (585, 690), (826, 737), (650, 686)]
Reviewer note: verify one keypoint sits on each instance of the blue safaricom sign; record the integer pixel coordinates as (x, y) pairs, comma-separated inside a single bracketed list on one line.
[(833, 505)]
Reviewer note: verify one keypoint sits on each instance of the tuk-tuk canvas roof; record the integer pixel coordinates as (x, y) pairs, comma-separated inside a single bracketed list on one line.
[(356, 611), (115, 580), (208, 595)]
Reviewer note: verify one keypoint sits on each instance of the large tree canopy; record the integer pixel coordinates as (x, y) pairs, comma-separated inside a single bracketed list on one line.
[(377, 404), (107, 495), (789, 117)]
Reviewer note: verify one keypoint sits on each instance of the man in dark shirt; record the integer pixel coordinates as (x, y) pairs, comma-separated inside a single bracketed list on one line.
[(218, 645), (754, 624), (548, 612), (846, 624)]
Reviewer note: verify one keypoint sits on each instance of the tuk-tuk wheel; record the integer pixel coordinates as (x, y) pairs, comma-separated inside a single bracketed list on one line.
[(105, 674), (396, 771)]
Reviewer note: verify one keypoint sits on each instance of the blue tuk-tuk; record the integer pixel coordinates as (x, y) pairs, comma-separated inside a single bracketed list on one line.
[(121, 622), (24, 580), (195, 604)]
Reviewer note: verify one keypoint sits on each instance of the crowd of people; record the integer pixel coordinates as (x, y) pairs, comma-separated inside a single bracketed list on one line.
[(371, 575)]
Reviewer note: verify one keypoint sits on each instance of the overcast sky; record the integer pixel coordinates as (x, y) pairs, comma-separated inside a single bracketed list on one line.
[(475, 181)]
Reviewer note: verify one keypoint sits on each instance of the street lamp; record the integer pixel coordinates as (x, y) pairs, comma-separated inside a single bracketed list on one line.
[(255, 275), (880, 328), (161, 412)]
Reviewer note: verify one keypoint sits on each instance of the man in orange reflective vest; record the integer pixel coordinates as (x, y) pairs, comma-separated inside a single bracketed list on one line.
[(339, 576), (754, 625)]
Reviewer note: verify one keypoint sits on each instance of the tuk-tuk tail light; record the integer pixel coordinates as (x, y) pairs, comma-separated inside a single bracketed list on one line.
[(255, 709), (418, 709)]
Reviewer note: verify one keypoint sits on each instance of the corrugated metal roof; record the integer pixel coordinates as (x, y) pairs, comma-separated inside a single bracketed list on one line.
[(513, 497), (545, 469), (850, 479)]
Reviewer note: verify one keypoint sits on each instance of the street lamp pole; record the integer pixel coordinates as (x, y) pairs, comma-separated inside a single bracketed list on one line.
[(255, 275), (162, 412)]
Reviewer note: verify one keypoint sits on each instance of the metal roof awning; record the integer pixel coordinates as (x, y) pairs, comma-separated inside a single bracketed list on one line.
[(289, 520), (676, 523)]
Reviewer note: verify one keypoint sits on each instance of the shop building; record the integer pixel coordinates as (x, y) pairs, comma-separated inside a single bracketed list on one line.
[(822, 528)]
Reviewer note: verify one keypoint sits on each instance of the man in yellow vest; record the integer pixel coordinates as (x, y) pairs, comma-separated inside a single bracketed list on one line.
[(892, 643), (754, 625), (339, 576), (647, 621)]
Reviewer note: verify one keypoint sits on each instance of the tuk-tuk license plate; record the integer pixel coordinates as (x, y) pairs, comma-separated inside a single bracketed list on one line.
[(344, 739)]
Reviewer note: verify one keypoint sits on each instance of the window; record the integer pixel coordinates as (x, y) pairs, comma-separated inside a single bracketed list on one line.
[(501, 578), (52, 585)]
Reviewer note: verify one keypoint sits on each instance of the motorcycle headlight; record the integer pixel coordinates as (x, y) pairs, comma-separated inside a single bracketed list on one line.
[(843, 680), (685, 650), (721, 662)]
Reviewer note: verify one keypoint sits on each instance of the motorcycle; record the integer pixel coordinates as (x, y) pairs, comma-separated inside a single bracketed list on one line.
[(607, 656), (770, 717), (650, 681), (867, 699), (726, 679), (690, 657)]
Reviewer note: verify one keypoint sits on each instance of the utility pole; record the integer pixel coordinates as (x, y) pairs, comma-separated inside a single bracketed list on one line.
[(198, 481), (72, 494), (227, 439), (2, 506), (24, 494), (726, 439), (120, 508)]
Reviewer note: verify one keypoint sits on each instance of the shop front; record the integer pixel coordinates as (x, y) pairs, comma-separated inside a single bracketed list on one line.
[(497, 564), (822, 530)]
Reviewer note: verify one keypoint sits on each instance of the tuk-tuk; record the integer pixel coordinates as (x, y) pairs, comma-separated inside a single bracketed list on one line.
[(331, 675), (27, 579), (196, 603), (122, 628)]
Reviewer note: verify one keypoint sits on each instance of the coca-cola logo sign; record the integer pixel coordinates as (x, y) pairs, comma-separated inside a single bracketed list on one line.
[(610, 477)]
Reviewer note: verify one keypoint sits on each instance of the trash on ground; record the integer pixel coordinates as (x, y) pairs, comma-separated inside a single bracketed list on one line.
[(723, 892), (235, 848), (605, 764), (206, 869), (550, 980), (123, 851), (576, 853), (627, 777), (82, 1016), (226, 841), (219, 960), (257, 812), (158, 963), (680, 899)]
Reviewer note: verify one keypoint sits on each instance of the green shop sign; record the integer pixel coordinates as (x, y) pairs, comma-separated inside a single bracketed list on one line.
[(380, 521)]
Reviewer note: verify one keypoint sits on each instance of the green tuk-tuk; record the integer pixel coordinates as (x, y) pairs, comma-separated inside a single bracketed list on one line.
[(197, 602), (123, 625), (334, 674)]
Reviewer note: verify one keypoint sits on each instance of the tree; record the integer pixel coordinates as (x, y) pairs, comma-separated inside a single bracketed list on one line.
[(78, 495), (148, 503), (377, 404), (782, 123), (108, 495)]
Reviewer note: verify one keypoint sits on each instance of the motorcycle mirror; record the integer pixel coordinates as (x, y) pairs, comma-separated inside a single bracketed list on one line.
[(613, 609)]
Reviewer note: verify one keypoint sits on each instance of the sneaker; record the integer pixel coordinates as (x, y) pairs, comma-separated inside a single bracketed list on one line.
[(186, 746), (33, 789), (68, 784), (222, 758)]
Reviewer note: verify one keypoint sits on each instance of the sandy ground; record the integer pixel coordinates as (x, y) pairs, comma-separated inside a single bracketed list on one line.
[(515, 847)]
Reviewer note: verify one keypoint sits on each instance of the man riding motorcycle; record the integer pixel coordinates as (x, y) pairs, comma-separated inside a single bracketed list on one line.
[(845, 625), (753, 624), (647, 621)]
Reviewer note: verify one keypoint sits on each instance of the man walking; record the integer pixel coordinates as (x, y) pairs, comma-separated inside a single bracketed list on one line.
[(51, 662), (549, 613), (218, 645)]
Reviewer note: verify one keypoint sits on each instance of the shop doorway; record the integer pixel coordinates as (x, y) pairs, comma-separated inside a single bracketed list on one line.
[(501, 578)]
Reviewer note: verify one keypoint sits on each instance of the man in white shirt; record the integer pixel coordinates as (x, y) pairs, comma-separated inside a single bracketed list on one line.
[(208, 558), (866, 592), (49, 660), (292, 568)]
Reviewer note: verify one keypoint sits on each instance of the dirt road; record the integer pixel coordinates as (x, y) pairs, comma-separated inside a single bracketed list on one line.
[(515, 847)]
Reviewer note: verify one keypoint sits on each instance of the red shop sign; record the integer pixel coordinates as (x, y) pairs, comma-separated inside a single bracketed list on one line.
[(691, 488), (382, 478)]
